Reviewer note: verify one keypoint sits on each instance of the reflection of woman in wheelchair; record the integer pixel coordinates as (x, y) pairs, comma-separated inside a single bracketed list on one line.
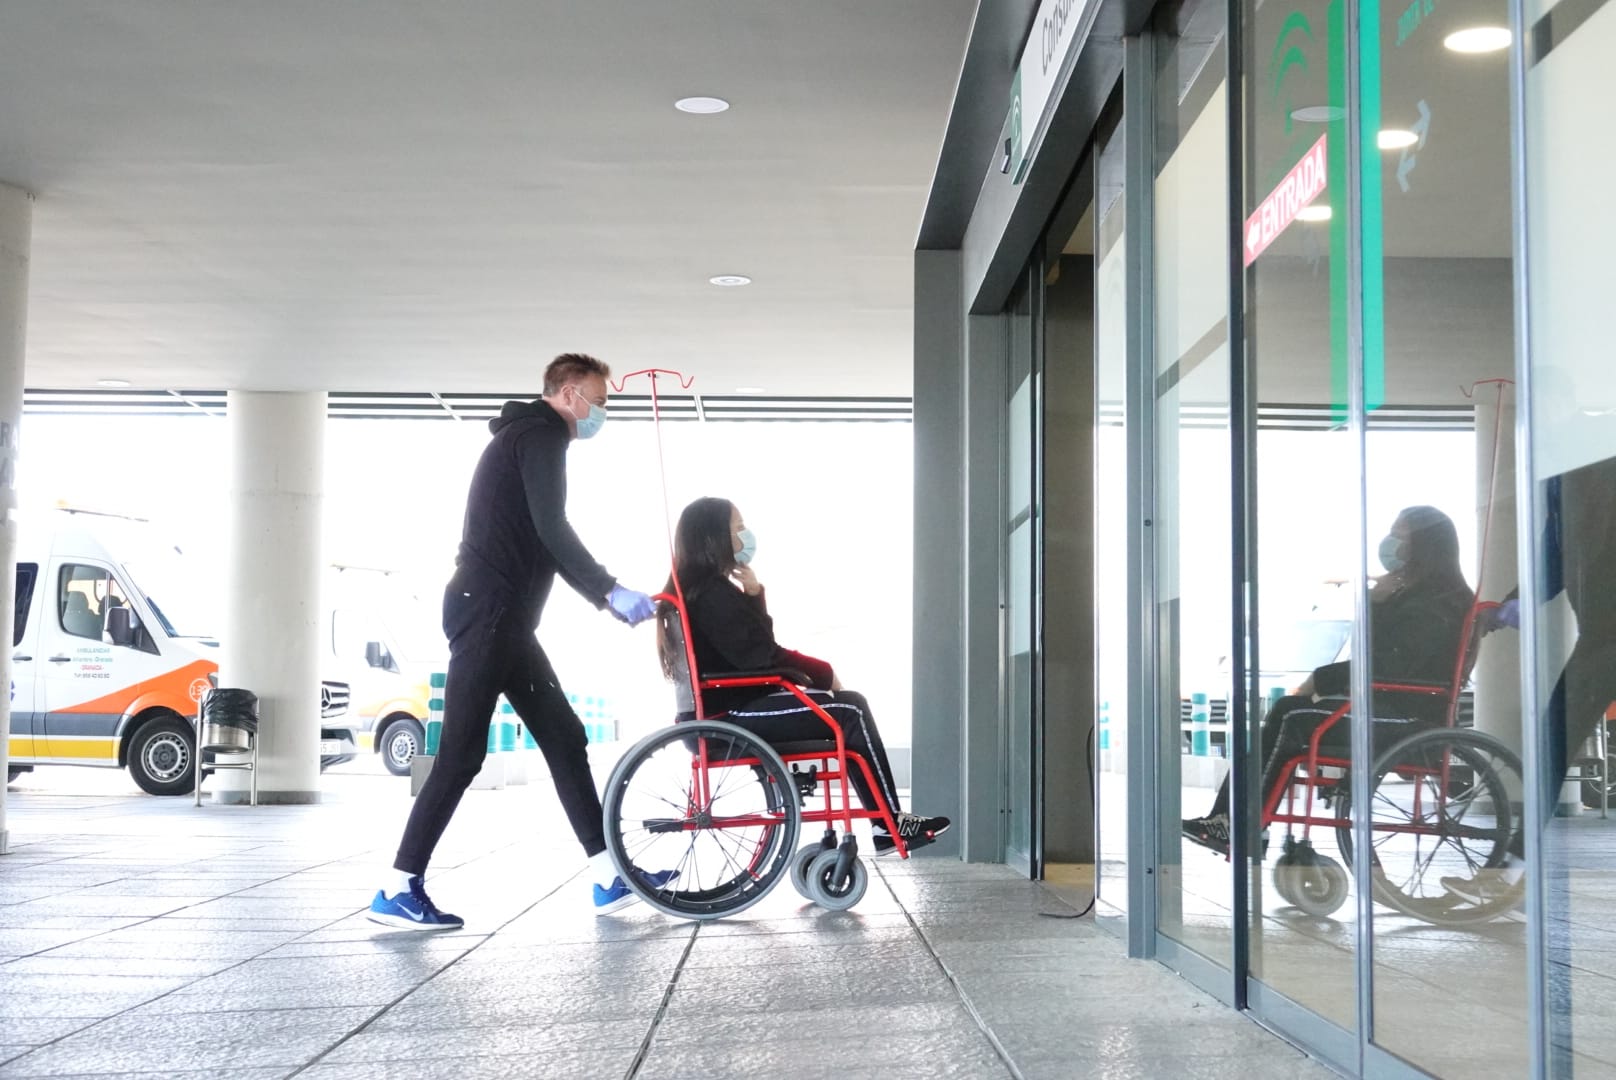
[(1441, 796), (719, 797)]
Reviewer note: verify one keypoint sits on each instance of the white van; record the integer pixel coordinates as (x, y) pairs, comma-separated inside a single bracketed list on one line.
[(109, 658), (384, 643)]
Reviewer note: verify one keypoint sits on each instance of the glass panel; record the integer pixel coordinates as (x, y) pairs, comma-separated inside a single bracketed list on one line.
[(1303, 940), (1020, 588), (1111, 615), (1438, 336), (1571, 225), (1192, 477)]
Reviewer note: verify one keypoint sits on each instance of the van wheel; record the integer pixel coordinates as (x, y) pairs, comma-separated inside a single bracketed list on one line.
[(402, 740), (13, 771), (162, 757)]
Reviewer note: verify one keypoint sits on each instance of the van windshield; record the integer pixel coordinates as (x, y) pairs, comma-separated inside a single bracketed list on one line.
[(178, 595)]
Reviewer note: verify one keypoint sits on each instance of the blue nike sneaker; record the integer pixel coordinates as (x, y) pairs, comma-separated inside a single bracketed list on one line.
[(412, 910), (618, 895)]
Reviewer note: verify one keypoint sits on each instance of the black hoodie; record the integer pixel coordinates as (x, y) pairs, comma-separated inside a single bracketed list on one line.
[(516, 537)]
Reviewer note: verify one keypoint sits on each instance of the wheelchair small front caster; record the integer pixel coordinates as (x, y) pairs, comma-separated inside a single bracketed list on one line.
[(1315, 883), (825, 890), (804, 858)]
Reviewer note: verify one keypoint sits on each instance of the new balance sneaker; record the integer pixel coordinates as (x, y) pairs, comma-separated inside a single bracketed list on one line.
[(617, 895), (412, 910), (917, 831), (1211, 832)]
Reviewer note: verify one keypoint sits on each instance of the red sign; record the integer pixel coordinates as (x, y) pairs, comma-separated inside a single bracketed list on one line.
[(1300, 187)]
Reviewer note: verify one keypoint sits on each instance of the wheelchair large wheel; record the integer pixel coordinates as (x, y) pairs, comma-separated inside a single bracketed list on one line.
[(727, 830), (1440, 809)]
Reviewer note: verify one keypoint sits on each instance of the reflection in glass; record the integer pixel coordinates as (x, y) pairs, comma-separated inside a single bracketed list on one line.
[(1437, 332), (1303, 475), (1191, 479)]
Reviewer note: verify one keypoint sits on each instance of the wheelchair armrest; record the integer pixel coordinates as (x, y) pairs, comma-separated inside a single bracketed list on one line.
[(773, 676)]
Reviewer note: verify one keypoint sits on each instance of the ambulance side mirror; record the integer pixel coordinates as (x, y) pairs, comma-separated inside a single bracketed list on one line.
[(121, 625), (377, 656)]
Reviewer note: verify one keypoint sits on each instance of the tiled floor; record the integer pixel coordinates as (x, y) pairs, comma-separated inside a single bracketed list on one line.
[(143, 937)]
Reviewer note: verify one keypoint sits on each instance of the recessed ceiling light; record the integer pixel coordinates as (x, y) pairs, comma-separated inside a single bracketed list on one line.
[(114, 384), (1316, 212), (1396, 139), (1318, 114), (750, 390), (701, 106), (1478, 39), (729, 281)]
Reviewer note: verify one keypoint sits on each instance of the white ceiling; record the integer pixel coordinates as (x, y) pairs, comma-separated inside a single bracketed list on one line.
[(413, 195)]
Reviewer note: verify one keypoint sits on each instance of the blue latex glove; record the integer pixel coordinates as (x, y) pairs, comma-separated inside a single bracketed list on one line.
[(630, 606), (1508, 614)]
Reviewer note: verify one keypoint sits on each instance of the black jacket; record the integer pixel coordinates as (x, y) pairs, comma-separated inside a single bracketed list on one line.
[(1579, 545), (1414, 633), (516, 537), (733, 632)]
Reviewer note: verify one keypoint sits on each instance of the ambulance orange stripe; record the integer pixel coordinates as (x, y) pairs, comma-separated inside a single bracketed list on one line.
[(179, 690)]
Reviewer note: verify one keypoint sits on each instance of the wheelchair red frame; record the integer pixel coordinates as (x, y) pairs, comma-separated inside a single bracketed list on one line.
[(1303, 769), (836, 756)]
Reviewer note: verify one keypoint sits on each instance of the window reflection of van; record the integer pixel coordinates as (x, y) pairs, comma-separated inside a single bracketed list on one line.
[(385, 645), (109, 659)]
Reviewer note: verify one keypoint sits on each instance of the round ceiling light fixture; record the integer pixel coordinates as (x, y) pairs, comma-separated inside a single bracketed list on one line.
[(1396, 139), (729, 281), (701, 106), (1479, 39), (114, 384), (1318, 114), (1316, 212)]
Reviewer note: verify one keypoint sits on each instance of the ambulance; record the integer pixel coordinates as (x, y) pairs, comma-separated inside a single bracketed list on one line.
[(111, 654)]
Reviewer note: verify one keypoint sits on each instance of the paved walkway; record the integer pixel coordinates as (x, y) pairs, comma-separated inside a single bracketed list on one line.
[(143, 937)]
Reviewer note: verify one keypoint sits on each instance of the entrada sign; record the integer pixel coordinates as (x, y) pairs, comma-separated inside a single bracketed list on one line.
[(1301, 186)]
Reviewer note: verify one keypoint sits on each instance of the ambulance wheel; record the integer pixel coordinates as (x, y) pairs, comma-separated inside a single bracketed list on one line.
[(162, 757), (14, 771)]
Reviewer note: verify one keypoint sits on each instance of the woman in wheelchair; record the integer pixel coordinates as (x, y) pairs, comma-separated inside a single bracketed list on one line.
[(1416, 616), (731, 632)]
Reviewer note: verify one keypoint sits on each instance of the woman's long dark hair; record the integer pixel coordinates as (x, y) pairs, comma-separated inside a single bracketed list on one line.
[(703, 554), (1431, 554)]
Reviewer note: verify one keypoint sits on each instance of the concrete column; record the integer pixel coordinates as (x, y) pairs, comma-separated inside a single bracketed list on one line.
[(16, 226), (939, 564), (273, 626)]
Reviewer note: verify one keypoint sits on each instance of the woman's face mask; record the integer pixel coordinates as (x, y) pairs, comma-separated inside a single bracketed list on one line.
[(748, 546), (1391, 554)]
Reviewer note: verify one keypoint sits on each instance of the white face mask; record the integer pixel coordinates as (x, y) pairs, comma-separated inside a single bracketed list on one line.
[(1391, 554), (590, 423)]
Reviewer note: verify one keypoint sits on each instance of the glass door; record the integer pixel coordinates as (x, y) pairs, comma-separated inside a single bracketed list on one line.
[(1020, 589), (1191, 525)]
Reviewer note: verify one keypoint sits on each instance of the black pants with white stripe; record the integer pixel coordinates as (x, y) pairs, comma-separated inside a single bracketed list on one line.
[(781, 717)]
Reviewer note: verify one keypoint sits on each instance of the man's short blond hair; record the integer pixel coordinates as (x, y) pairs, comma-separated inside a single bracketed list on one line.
[(570, 367)]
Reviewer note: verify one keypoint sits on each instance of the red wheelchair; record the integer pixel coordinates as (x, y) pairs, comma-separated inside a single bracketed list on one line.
[(723, 808), (1444, 802)]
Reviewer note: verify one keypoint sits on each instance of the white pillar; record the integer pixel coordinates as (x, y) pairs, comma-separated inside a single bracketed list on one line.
[(16, 226), (273, 621), (1497, 675)]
